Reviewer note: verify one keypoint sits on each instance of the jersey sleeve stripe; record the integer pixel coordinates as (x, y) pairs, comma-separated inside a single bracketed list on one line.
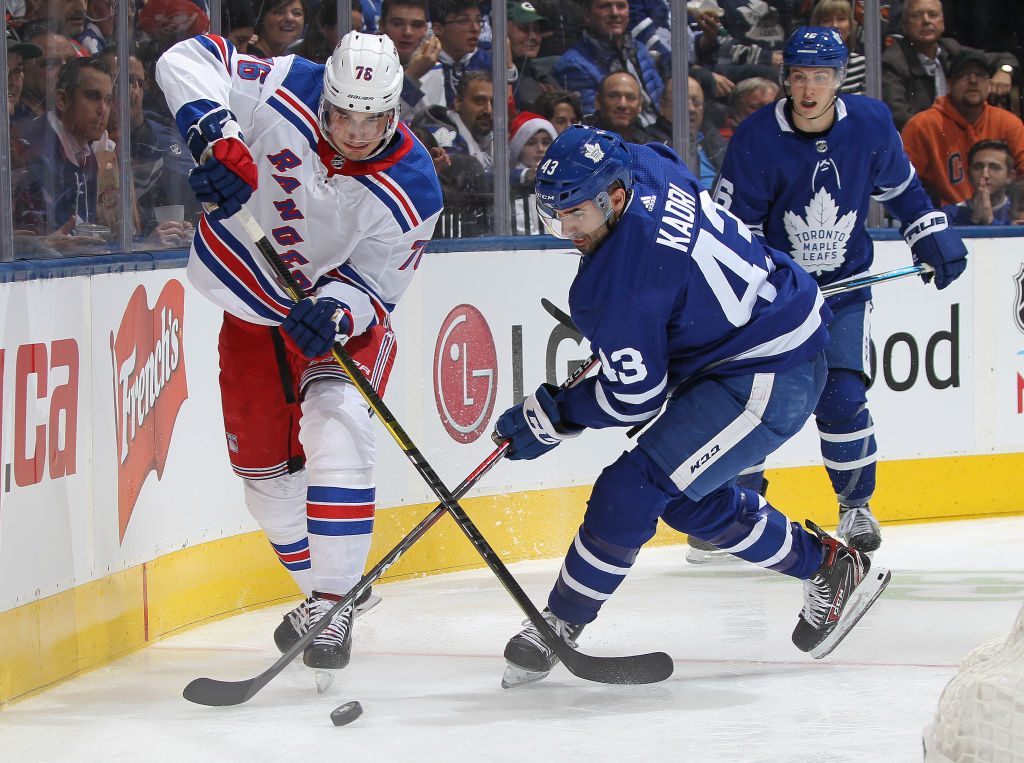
[(786, 342), (220, 48), (233, 265), (386, 195), (296, 112), (642, 397), (602, 400), (347, 274), (891, 193)]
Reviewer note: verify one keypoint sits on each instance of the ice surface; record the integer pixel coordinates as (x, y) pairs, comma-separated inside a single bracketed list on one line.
[(427, 664)]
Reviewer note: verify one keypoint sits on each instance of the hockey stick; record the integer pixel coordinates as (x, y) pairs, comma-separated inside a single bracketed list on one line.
[(210, 691), (632, 669), (860, 282)]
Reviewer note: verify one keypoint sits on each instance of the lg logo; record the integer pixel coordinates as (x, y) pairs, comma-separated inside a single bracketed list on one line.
[(465, 373)]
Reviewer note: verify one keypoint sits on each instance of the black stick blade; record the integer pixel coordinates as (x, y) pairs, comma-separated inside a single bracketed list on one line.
[(210, 691), (633, 669)]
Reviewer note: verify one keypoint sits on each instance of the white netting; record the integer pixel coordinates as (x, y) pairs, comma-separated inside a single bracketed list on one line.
[(980, 718)]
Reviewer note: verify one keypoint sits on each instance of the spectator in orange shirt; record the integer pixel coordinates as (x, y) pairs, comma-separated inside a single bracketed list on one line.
[(938, 140)]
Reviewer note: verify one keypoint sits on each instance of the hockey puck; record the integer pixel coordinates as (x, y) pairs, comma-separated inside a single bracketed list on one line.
[(343, 715)]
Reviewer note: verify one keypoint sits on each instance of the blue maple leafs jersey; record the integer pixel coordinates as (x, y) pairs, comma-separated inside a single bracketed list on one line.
[(682, 289), (808, 195)]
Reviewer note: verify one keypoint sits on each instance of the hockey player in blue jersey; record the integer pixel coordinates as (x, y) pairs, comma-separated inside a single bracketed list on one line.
[(800, 173), (689, 312)]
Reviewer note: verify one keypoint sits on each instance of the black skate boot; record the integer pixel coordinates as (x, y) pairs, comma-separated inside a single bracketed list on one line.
[(529, 658), (836, 596), (295, 623), (332, 647), (858, 528), (293, 626)]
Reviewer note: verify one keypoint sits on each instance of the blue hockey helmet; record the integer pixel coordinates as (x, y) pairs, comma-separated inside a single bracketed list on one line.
[(580, 166), (817, 47)]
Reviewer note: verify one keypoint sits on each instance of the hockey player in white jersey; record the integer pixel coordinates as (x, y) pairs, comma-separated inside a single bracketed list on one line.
[(712, 340), (350, 198), (800, 173)]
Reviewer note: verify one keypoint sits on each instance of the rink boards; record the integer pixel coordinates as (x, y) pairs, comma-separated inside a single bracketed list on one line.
[(121, 521)]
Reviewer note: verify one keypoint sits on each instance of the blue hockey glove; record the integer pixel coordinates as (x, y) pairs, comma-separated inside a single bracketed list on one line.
[(313, 326), (534, 426), (227, 175), (934, 242)]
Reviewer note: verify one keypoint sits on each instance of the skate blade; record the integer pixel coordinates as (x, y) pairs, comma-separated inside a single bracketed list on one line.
[(367, 605), (324, 680), (867, 592), (713, 558), (517, 676)]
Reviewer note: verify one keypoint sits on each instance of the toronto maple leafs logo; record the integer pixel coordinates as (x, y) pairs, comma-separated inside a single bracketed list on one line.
[(593, 152), (445, 137), (819, 237)]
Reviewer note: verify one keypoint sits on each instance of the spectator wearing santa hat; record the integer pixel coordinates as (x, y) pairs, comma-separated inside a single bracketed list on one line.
[(529, 137)]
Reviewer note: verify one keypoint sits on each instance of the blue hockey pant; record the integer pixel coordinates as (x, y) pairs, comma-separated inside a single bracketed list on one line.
[(844, 422), (683, 471)]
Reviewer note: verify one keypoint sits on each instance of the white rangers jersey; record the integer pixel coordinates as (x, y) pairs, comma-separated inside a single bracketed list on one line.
[(352, 230)]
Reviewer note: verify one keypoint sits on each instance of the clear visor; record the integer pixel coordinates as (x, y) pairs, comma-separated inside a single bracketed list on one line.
[(576, 223), (819, 79), (352, 128)]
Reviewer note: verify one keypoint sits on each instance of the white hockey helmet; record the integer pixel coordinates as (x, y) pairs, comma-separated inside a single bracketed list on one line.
[(363, 75)]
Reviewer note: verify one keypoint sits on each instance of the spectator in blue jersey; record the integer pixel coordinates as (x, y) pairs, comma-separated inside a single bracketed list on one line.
[(801, 175), (99, 27), (990, 171), (711, 341), (606, 47), (457, 24)]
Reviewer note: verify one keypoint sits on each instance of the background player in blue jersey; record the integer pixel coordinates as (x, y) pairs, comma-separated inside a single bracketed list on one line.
[(800, 173), (687, 311), (350, 198)]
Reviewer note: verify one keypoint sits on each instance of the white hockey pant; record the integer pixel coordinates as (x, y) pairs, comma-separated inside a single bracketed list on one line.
[(327, 508)]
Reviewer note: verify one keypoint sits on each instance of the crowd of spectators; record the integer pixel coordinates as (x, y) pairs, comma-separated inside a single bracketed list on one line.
[(606, 63)]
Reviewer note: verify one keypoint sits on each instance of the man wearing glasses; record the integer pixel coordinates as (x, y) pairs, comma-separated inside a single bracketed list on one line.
[(41, 72), (457, 24)]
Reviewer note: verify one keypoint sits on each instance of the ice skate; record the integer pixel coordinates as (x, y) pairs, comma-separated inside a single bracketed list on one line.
[(529, 658), (332, 647), (367, 600), (296, 622), (858, 528), (836, 596), (293, 626), (702, 552)]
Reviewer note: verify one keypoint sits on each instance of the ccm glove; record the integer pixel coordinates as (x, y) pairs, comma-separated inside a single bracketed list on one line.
[(226, 175), (312, 326), (934, 242), (534, 426)]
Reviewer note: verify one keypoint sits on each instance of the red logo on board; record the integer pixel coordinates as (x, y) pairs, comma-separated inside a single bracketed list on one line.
[(465, 373), (149, 389)]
